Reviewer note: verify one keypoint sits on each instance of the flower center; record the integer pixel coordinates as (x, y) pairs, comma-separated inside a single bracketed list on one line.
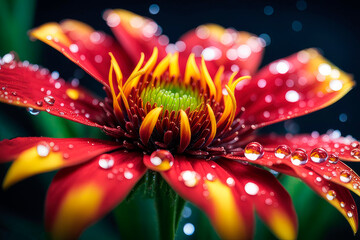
[(172, 97)]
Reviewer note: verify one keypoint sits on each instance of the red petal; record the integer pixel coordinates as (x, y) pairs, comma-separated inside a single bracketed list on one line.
[(136, 34), (26, 85), (333, 176), (81, 195), (272, 202), (84, 46), (236, 51), (291, 87), (35, 155), (204, 183)]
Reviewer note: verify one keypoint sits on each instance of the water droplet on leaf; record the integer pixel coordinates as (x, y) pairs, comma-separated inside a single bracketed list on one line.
[(355, 153), (318, 155), (49, 100), (345, 176), (33, 111), (333, 158), (331, 195)]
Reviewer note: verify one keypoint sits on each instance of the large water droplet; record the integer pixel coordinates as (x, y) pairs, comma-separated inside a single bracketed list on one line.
[(106, 161), (318, 155), (333, 158), (345, 176), (349, 214), (253, 151), (355, 144), (161, 160), (299, 157), (282, 151), (331, 195), (49, 100), (251, 188), (33, 111), (43, 149), (190, 178), (355, 153)]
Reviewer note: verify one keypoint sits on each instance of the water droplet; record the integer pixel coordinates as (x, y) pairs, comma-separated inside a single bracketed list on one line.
[(43, 149), (106, 161), (333, 158), (318, 155), (268, 201), (128, 175), (253, 151), (189, 229), (299, 157), (161, 160), (190, 178), (355, 144), (282, 151), (349, 214), (33, 111), (230, 182), (331, 195), (342, 204), (49, 100), (355, 153), (251, 188), (39, 103), (210, 177), (345, 176)]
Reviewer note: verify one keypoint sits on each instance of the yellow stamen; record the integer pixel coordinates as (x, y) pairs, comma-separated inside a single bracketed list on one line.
[(217, 81), (117, 109), (161, 67), (148, 124), (230, 106), (191, 69), (233, 85), (212, 124), (118, 73), (174, 66), (206, 76), (185, 131)]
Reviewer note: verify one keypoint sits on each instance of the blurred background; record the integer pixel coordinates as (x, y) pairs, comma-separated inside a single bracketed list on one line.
[(286, 27)]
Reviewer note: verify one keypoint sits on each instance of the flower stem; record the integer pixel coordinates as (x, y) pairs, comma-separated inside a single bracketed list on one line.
[(169, 206)]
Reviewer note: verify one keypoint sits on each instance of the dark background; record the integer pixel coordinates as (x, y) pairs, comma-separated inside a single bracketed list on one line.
[(331, 26)]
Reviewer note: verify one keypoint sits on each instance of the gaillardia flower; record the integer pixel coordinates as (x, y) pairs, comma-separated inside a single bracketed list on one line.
[(188, 111)]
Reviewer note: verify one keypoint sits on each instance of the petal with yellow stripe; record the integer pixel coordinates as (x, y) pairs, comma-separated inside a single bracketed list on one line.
[(80, 196), (36, 155)]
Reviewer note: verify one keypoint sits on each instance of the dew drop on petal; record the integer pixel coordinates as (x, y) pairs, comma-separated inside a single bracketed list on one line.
[(128, 175), (190, 178), (251, 188), (210, 177), (161, 160), (106, 161), (299, 157), (333, 158), (342, 204), (355, 144), (345, 176), (355, 153), (49, 100), (33, 111), (230, 182), (43, 149), (349, 214), (292, 96), (318, 155), (331, 195), (282, 151), (254, 151)]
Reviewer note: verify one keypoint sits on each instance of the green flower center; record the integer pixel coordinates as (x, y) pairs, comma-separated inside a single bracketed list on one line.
[(172, 97)]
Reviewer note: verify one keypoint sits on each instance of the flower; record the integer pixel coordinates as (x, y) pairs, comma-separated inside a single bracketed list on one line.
[(187, 117)]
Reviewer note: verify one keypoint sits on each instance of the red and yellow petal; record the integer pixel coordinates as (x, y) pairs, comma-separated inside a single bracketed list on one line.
[(236, 51), (26, 85), (272, 202), (84, 46), (135, 33), (39, 154), (79, 196), (291, 87), (326, 178), (213, 190)]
